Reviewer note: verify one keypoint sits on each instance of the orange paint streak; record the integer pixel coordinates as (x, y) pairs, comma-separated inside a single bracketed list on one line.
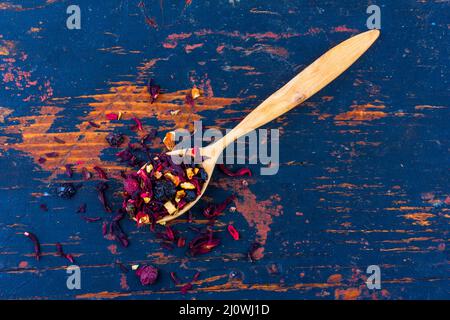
[(420, 218), (359, 114), (191, 47), (334, 278), (347, 294)]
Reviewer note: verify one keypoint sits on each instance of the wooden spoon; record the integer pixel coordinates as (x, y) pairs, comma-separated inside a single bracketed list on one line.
[(316, 76)]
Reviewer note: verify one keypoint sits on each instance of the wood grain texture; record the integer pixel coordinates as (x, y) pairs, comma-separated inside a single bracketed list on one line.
[(363, 176)]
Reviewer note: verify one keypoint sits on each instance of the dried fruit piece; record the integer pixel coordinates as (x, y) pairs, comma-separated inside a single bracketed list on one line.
[(142, 218), (195, 93), (187, 185), (175, 179), (171, 209), (169, 140), (66, 190), (114, 139), (147, 274)]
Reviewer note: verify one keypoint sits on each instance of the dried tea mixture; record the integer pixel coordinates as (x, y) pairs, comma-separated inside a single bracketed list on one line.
[(161, 188)]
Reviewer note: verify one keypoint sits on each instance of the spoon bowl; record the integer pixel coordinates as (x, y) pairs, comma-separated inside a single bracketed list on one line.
[(313, 78)]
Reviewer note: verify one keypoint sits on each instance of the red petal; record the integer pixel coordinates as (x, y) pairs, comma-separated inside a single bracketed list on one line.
[(112, 116), (234, 233)]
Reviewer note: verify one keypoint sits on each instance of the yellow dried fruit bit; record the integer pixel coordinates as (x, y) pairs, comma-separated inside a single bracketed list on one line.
[(169, 140), (145, 219), (190, 173), (179, 195), (158, 174), (170, 207), (146, 199), (187, 185), (175, 180), (196, 170), (149, 168), (120, 115), (195, 93)]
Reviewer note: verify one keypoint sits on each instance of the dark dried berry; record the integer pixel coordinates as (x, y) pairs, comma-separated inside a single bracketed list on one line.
[(66, 190), (202, 174), (190, 195), (164, 190), (114, 139)]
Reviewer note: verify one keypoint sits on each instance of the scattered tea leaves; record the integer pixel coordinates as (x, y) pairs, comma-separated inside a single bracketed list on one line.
[(37, 246)]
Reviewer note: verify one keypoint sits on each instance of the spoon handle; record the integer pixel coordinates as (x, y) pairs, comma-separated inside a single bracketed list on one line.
[(316, 76)]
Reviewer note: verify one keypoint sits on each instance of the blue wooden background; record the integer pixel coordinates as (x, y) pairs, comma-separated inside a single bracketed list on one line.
[(363, 177)]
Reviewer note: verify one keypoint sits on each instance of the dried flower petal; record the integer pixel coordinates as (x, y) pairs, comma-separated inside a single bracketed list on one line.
[(181, 242), (93, 124), (203, 244), (185, 288), (174, 278), (60, 252), (112, 116), (69, 171), (114, 139), (100, 172), (238, 173), (101, 187), (52, 154), (153, 89), (122, 266), (233, 232), (37, 246), (138, 125), (147, 274), (91, 219), (42, 160), (151, 22), (213, 211), (82, 208), (58, 140)]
